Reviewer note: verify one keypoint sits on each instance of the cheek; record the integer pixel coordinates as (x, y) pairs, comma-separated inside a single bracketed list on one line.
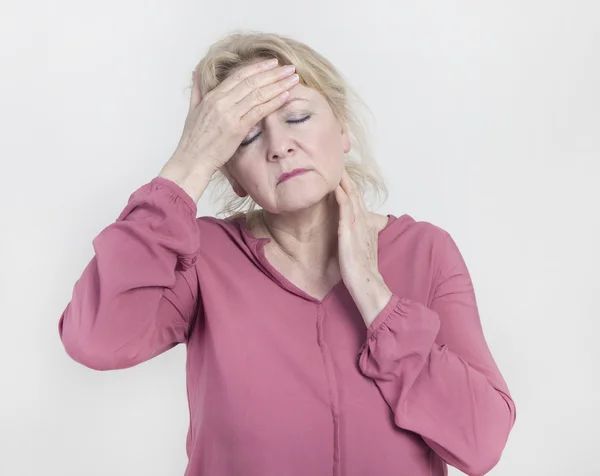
[(330, 140), (253, 177), (331, 158)]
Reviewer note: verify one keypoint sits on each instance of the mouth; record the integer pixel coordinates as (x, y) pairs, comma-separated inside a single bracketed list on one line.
[(292, 174)]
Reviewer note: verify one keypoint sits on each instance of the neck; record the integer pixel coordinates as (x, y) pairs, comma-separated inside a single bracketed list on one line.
[(308, 237)]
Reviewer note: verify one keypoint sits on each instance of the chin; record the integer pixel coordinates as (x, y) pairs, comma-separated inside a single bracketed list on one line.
[(299, 200)]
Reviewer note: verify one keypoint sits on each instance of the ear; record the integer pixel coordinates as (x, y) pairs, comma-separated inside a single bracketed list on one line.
[(237, 188), (346, 144), (346, 141)]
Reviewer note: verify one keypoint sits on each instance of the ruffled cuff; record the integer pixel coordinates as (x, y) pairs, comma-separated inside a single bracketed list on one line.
[(178, 194), (404, 328), (386, 313), (171, 215)]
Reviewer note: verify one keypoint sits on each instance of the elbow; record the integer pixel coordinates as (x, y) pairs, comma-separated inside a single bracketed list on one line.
[(488, 454), (90, 354), (88, 357), (92, 358), (482, 463)]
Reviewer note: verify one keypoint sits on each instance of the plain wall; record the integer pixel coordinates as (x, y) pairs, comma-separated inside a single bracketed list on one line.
[(487, 123)]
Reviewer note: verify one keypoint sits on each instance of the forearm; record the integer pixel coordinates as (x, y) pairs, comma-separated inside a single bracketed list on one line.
[(133, 300), (371, 295), (194, 182), (462, 410)]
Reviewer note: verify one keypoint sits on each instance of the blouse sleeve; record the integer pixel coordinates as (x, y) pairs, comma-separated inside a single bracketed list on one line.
[(435, 370), (138, 295)]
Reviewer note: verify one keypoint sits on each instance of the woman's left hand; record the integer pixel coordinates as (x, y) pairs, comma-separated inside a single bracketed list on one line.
[(358, 241)]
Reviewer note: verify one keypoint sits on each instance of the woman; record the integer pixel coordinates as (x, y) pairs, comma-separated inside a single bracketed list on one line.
[(322, 338)]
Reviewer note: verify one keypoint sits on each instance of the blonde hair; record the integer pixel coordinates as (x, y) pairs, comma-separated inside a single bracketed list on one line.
[(315, 71)]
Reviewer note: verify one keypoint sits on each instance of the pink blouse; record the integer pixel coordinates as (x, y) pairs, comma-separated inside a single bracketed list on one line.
[(280, 383)]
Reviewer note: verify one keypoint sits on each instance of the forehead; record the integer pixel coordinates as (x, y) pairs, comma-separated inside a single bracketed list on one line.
[(299, 100), (301, 95)]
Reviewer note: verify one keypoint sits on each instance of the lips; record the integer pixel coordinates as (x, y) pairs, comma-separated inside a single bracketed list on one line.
[(291, 174)]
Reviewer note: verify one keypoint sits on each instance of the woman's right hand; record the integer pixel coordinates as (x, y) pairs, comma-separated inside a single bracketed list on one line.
[(217, 124)]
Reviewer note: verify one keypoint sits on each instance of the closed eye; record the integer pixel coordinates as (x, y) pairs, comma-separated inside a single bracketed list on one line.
[(297, 121)]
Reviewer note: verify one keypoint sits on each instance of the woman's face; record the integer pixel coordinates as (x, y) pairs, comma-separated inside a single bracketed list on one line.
[(280, 143)]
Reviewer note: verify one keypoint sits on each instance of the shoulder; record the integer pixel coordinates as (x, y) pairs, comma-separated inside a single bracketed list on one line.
[(428, 242), (423, 232), (218, 231), (418, 241), (421, 251)]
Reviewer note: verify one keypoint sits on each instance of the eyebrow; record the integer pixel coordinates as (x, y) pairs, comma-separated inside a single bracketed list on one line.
[(292, 100)]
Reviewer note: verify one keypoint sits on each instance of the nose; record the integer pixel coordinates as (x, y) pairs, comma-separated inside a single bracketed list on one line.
[(280, 143), (280, 153)]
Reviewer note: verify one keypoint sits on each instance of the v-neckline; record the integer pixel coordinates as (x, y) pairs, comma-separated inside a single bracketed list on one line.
[(259, 251)]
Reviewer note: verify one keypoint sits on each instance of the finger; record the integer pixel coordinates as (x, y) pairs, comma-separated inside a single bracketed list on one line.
[(258, 89), (346, 182), (257, 104), (251, 117), (240, 83), (196, 96), (345, 205), (352, 191)]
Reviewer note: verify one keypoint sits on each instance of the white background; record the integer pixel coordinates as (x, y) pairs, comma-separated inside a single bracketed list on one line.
[(487, 124)]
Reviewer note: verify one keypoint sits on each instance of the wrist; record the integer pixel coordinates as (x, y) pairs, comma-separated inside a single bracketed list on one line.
[(193, 182), (371, 295)]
